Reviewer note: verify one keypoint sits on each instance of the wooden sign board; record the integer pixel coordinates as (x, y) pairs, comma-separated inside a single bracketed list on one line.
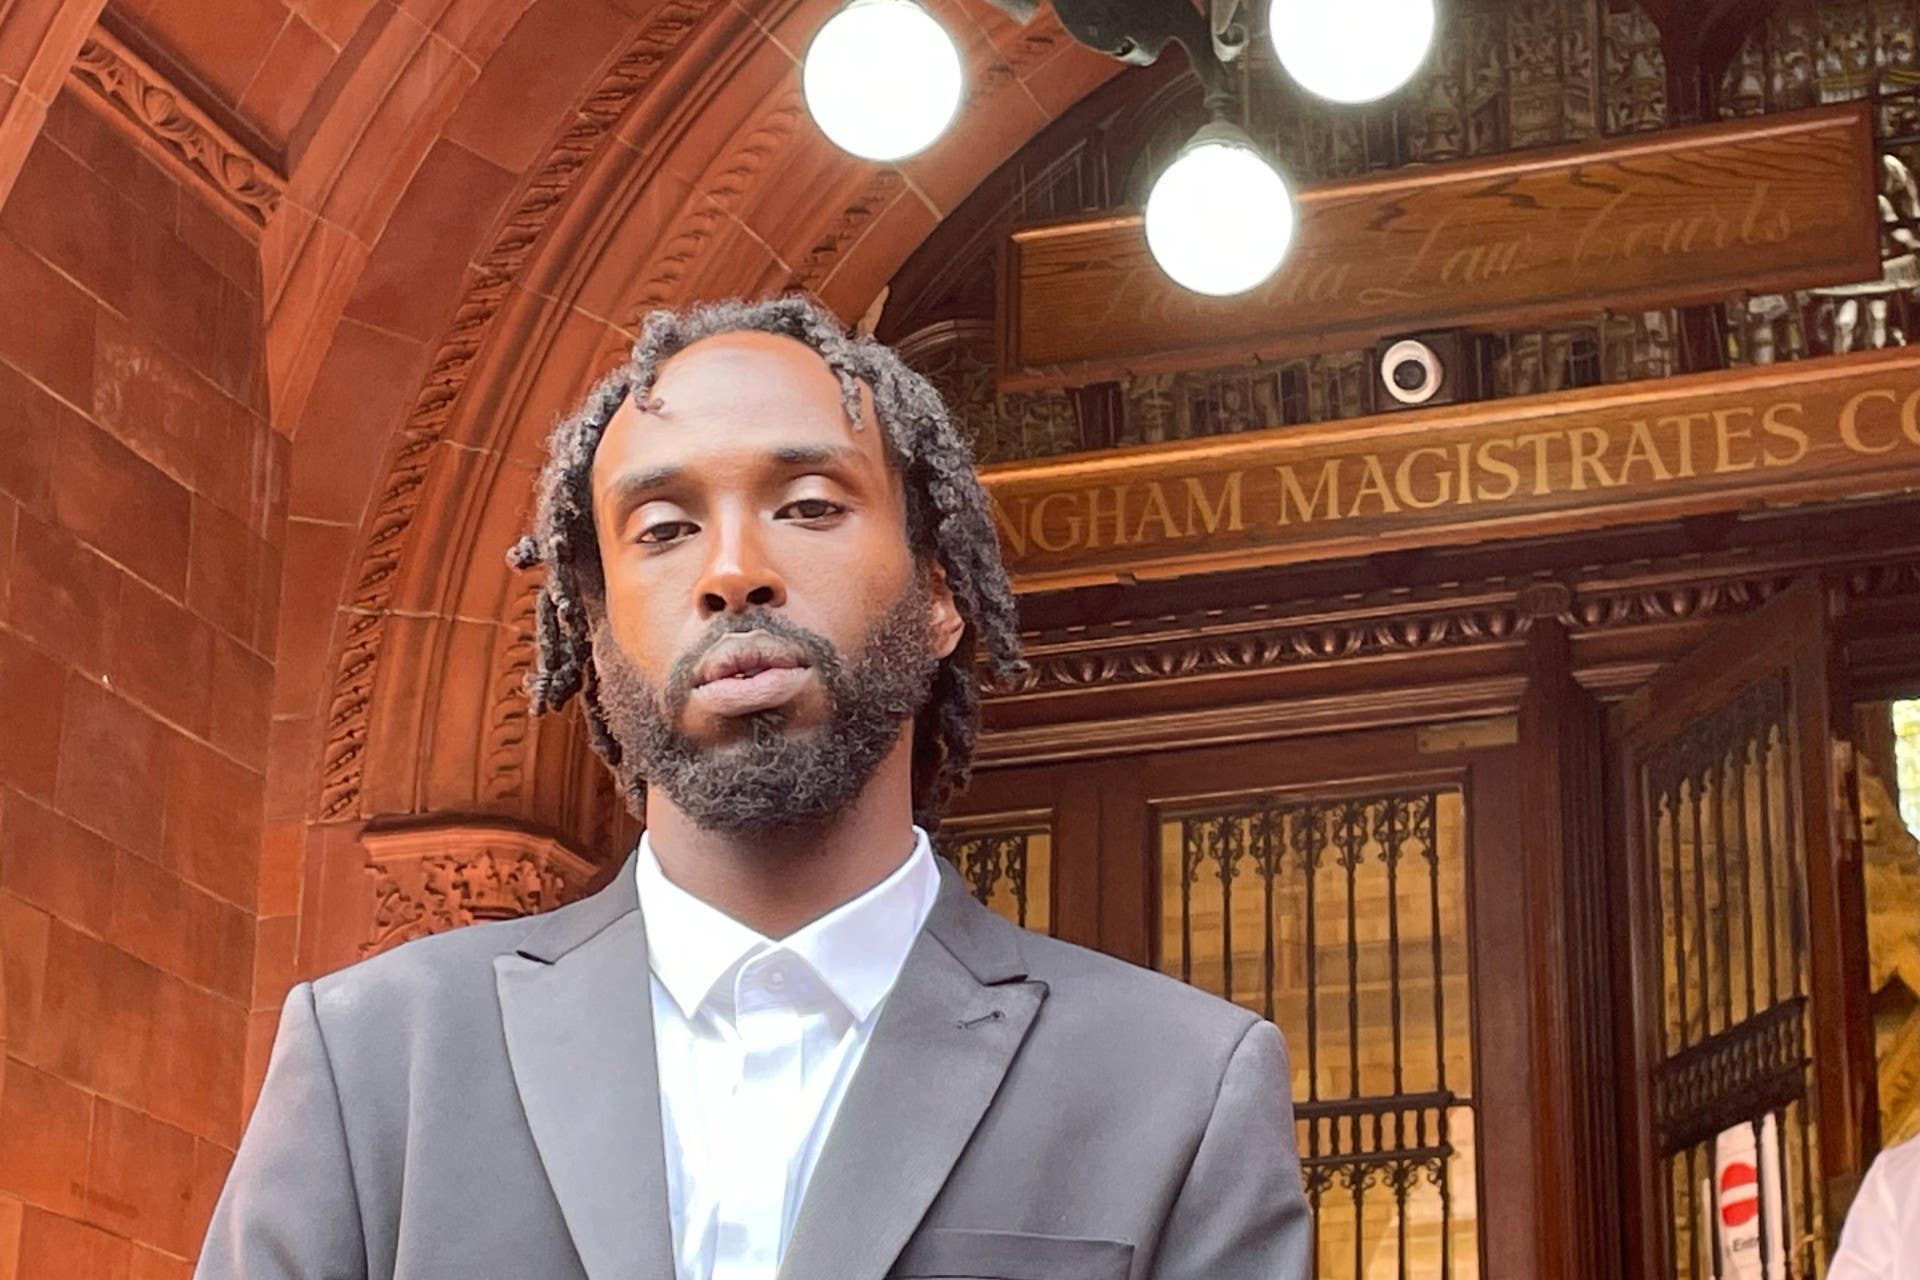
[(1839, 426), (1661, 219)]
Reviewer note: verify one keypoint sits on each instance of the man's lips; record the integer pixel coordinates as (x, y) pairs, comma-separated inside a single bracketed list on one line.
[(743, 695), (746, 672), (743, 655)]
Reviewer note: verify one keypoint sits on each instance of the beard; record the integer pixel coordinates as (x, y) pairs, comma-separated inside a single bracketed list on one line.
[(772, 775)]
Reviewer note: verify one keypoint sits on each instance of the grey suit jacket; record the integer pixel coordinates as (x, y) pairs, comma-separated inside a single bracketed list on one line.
[(484, 1103)]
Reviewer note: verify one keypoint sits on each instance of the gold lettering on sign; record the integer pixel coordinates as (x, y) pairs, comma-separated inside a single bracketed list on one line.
[(1850, 421), (1641, 449), (1156, 511), (1228, 505), (1725, 433), (1373, 483), (1304, 503), (1682, 424), (1855, 430), (1115, 514), (1773, 422), (1403, 479), (1039, 524), (1500, 467)]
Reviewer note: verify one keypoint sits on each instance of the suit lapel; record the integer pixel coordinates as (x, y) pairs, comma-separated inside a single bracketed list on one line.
[(945, 1038), (576, 1004)]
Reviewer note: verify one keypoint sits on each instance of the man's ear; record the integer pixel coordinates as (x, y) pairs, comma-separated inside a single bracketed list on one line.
[(943, 614)]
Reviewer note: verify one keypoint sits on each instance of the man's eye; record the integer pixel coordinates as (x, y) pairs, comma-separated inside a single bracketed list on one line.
[(666, 531), (812, 508)]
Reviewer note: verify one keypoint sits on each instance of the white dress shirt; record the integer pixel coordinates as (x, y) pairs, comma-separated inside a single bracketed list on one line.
[(1881, 1240), (756, 1041)]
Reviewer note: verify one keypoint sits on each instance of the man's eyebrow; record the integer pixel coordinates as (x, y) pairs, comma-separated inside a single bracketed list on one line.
[(817, 455), (630, 487)]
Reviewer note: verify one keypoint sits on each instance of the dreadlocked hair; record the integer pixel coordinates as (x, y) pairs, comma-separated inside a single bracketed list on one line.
[(947, 518)]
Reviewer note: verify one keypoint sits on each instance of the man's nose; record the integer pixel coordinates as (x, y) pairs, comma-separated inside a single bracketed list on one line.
[(738, 575)]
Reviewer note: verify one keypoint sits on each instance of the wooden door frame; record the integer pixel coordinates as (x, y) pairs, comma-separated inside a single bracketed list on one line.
[(1796, 626), (1563, 799)]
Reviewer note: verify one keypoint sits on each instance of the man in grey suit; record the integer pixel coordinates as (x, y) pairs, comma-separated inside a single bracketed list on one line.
[(784, 1041)]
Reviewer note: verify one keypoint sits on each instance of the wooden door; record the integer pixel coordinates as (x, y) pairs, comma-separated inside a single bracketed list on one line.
[(1746, 1011), (1364, 891)]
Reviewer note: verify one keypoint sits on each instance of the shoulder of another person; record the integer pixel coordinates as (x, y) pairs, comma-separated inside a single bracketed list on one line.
[(1896, 1171)]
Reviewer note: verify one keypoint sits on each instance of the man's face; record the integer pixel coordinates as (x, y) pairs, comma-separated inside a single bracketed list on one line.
[(768, 630)]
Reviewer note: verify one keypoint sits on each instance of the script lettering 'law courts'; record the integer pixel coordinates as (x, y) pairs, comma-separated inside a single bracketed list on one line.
[(1834, 427), (1689, 215)]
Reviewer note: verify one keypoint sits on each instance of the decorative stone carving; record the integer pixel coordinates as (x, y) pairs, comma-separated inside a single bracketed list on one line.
[(722, 190), (880, 191), (432, 877), (508, 723), (492, 282), (138, 98), (1636, 71), (1281, 643)]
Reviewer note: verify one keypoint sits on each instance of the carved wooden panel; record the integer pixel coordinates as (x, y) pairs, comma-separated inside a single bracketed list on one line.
[(1828, 428), (1690, 215)]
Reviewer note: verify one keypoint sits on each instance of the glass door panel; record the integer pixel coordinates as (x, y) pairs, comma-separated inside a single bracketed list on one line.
[(1342, 917)]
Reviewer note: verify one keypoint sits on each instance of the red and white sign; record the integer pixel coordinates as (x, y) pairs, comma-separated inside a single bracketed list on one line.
[(1743, 1194), (1739, 1194)]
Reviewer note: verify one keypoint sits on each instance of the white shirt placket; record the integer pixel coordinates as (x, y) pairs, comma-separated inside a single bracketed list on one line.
[(755, 1163)]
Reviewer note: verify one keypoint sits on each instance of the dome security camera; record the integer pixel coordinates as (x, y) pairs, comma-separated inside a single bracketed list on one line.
[(1411, 372)]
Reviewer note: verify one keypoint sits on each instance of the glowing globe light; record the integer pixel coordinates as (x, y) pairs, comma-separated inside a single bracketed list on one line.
[(1220, 218), (1351, 50), (882, 79)]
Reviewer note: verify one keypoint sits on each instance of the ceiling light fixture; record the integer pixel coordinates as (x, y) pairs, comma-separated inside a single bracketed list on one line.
[(1219, 218), (882, 79), (1351, 51)]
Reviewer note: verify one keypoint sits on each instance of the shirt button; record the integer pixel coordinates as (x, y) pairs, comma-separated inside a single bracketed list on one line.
[(777, 979)]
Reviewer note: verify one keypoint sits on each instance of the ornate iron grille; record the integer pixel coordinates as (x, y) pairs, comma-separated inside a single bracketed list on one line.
[(1007, 868), (1718, 815), (1342, 919)]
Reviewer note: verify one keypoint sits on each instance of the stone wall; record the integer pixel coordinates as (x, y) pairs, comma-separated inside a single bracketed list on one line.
[(142, 518)]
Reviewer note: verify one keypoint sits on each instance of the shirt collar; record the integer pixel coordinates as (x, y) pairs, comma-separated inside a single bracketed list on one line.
[(857, 949)]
